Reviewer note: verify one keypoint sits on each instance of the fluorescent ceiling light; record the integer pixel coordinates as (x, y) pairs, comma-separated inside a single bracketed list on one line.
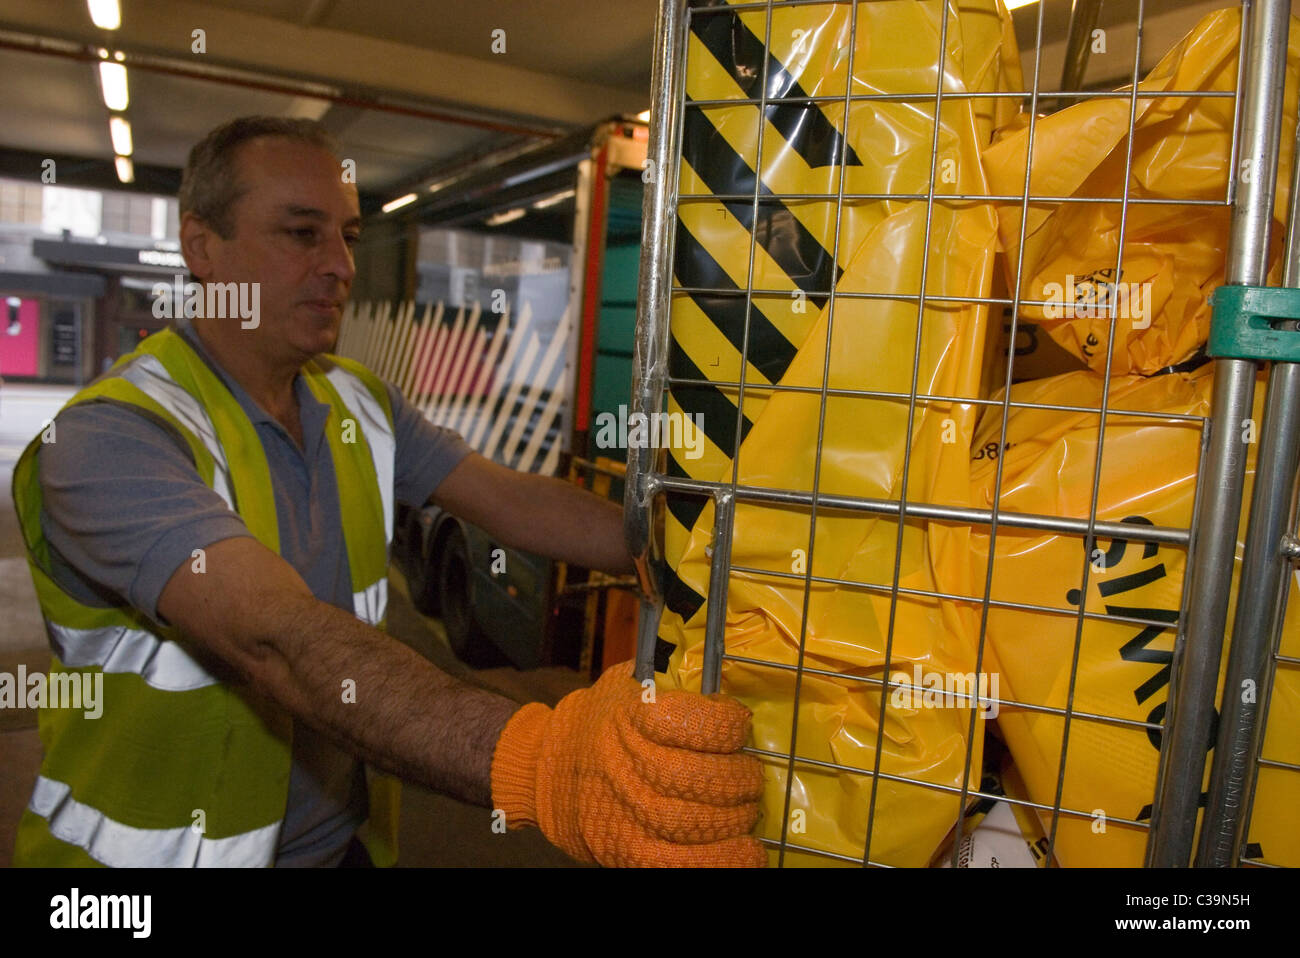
[(105, 14), (120, 130), (125, 169), (509, 216), (112, 82), (644, 115), (553, 199), (1017, 4), (398, 203), (446, 181)]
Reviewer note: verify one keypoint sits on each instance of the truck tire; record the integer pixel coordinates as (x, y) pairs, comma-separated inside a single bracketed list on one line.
[(454, 577), (421, 570)]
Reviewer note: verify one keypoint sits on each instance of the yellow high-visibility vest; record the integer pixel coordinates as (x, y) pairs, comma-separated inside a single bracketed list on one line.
[(181, 769)]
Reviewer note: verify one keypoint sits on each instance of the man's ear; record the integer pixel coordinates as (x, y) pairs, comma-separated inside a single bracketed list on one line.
[(196, 240)]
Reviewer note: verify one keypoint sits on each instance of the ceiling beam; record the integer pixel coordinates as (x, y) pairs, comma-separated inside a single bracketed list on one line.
[(305, 91)]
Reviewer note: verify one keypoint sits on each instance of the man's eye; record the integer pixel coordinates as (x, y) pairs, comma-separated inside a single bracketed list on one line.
[(352, 239), (302, 232)]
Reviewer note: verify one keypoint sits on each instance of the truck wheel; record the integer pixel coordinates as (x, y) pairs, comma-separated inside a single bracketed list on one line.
[(421, 571), (454, 573)]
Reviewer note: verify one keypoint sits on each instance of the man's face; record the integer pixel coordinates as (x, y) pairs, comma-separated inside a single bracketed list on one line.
[(294, 226)]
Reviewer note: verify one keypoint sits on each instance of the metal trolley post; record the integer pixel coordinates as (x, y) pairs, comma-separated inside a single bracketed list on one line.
[(1199, 649), (650, 347), (1254, 656)]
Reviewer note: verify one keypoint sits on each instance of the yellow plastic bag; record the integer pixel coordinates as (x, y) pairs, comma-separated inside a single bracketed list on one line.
[(1149, 477), (1173, 255), (1148, 466), (881, 250)]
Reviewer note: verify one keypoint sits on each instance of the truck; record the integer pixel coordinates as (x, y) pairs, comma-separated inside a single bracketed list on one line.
[(519, 337)]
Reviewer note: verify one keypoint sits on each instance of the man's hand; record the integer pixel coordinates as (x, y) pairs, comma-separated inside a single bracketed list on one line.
[(612, 778)]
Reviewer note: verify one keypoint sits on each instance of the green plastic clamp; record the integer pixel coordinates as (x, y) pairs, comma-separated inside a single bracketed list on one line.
[(1242, 323)]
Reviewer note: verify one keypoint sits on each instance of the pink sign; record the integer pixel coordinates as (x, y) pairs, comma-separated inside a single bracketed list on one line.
[(19, 336)]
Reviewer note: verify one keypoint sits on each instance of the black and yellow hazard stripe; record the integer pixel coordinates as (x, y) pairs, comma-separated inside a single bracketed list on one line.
[(740, 54), (793, 244)]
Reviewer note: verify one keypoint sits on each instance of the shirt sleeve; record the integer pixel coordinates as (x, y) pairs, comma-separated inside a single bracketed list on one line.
[(426, 454), (123, 504)]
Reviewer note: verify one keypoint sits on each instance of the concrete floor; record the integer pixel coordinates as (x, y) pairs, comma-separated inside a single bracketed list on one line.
[(436, 830)]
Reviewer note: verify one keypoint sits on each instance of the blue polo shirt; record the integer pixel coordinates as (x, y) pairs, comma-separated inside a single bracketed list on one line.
[(124, 507)]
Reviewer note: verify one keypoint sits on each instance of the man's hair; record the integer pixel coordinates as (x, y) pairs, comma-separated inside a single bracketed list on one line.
[(210, 186)]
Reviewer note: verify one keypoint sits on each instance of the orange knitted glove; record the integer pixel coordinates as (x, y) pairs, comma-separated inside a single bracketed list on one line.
[(613, 779)]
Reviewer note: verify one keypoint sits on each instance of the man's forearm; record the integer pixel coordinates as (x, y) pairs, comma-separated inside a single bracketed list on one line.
[(538, 514), (574, 525), (385, 702)]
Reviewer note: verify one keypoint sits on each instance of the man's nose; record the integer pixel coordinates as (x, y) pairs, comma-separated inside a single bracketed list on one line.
[(336, 258)]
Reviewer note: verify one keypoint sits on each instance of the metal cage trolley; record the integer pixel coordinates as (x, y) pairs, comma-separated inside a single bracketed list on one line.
[(949, 570)]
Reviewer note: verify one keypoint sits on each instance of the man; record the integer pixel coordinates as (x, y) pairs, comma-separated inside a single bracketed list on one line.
[(209, 530)]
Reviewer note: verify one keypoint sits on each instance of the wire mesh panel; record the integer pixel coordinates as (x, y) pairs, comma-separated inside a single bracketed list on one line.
[(942, 324)]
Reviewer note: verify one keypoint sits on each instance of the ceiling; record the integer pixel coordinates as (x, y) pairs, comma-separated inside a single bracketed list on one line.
[(410, 87)]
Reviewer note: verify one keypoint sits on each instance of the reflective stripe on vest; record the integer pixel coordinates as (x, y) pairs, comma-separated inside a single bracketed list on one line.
[(372, 603), (121, 846), (378, 433), (161, 663), (146, 372)]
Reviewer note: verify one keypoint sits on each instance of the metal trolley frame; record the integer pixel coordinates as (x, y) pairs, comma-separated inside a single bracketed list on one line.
[(1210, 541)]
